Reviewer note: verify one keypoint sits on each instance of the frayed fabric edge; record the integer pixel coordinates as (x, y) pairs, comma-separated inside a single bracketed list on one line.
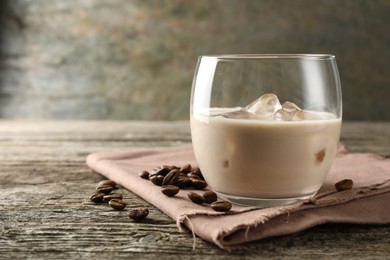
[(185, 224)]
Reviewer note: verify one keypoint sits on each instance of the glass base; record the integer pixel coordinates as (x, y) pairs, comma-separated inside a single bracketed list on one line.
[(262, 202)]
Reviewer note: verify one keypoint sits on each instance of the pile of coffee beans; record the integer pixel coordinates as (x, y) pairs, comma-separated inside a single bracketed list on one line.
[(104, 194), (182, 177), (172, 178)]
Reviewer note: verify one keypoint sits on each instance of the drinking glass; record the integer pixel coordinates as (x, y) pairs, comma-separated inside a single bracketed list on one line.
[(265, 128)]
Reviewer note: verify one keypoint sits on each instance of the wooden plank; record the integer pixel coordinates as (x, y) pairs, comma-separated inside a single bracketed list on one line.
[(45, 187)]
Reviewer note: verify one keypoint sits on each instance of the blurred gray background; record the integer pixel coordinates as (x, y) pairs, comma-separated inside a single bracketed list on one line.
[(135, 59)]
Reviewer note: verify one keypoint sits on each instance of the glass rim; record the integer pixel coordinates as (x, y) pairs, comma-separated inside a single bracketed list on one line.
[(268, 56)]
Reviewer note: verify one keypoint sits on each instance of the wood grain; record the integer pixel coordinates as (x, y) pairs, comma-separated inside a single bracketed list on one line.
[(45, 187)]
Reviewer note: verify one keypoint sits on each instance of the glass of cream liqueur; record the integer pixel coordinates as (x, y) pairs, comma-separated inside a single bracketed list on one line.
[(265, 128)]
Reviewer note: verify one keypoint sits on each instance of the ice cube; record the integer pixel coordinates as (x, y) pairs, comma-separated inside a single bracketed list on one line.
[(305, 115), (268, 107), (265, 106), (290, 107), (283, 115), (240, 114), (287, 112)]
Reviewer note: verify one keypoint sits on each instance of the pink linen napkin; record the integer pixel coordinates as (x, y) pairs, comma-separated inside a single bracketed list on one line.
[(367, 203)]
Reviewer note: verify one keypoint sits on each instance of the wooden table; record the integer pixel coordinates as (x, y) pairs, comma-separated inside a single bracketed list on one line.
[(45, 187)]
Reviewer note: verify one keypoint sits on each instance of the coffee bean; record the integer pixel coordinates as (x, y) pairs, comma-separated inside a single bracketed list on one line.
[(345, 184), (171, 177), (117, 204), (183, 182), (104, 189), (196, 198), (138, 213), (221, 206), (193, 176), (199, 184), (198, 173), (157, 180), (196, 170), (170, 190), (172, 167), (107, 198), (144, 175), (106, 183), (98, 197), (186, 168), (210, 196), (163, 171)]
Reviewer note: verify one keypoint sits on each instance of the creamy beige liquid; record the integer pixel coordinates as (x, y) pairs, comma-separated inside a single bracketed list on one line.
[(265, 159)]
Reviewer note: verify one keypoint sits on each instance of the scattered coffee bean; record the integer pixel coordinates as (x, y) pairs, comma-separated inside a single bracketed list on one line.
[(199, 184), (193, 176), (117, 204), (186, 168), (170, 190), (104, 189), (345, 184), (157, 180), (171, 177), (106, 183), (144, 175), (210, 196), (97, 198), (197, 172), (196, 198), (221, 206), (171, 167), (163, 171), (138, 213), (183, 182), (108, 197)]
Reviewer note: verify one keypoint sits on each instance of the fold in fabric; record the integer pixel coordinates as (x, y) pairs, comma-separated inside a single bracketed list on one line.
[(367, 203)]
